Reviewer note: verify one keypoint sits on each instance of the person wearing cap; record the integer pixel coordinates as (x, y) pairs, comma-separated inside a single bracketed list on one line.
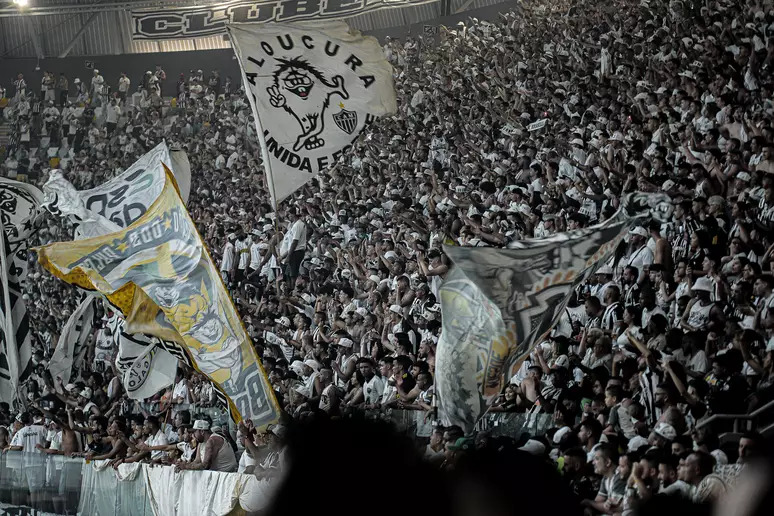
[(702, 314), (214, 452), (640, 255), (97, 83), (346, 361)]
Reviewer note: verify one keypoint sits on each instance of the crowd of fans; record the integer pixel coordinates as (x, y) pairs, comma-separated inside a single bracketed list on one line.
[(338, 290)]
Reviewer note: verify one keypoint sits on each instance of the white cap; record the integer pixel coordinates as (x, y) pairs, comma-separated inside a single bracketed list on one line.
[(576, 141), (314, 364), (345, 342), (721, 459), (617, 137), (297, 367), (639, 230), (201, 424), (396, 309), (702, 283), (284, 321), (86, 393), (744, 176), (562, 361), (279, 430), (636, 443), (561, 433), (534, 447), (605, 269), (362, 312), (666, 431)]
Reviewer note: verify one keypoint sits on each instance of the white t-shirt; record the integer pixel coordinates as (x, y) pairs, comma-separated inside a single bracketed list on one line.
[(243, 254), (186, 451), (228, 258), (112, 114), (160, 439), (181, 391), (30, 436), (373, 390), (640, 258), (297, 232), (244, 461), (255, 256)]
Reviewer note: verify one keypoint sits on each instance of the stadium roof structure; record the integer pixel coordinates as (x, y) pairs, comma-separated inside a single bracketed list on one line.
[(61, 28)]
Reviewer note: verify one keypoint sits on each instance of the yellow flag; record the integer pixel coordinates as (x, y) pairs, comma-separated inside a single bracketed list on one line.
[(158, 273)]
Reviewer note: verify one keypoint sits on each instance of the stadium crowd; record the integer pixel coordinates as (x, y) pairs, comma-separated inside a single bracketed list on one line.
[(338, 290)]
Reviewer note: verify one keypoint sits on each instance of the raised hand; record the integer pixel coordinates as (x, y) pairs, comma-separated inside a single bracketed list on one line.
[(275, 97)]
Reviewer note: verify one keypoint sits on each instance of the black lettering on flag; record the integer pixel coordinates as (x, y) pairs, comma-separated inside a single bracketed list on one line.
[(256, 62)]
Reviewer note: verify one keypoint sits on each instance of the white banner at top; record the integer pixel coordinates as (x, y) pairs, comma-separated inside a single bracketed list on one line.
[(192, 22)]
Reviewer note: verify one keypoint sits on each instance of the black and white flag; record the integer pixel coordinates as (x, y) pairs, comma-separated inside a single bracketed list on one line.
[(313, 88), (71, 348), (19, 203)]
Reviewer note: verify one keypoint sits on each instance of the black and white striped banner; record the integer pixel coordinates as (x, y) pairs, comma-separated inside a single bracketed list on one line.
[(19, 203)]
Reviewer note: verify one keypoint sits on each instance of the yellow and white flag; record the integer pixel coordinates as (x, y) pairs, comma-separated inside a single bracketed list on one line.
[(158, 274), (313, 88)]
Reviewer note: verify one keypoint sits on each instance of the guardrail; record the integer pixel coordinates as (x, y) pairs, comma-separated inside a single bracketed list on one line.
[(751, 420), (43, 485)]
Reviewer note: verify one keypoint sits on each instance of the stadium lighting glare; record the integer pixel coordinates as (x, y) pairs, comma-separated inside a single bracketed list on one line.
[(21, 3)]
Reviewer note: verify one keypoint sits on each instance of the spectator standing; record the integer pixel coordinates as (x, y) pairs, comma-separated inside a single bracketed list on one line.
[(124, 83), (63, 85)]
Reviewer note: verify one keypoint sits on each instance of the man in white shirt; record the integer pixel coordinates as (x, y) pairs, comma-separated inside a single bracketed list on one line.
[(293, 245), (112, 113), (180, 394), (123, 87), (640, 256), (96, 87), (242, 249), (157, 437), (31, 440), (373, 388), (255, 253), (227, 263)]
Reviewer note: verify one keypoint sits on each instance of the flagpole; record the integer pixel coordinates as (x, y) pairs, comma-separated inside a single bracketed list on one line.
[(11, 350)]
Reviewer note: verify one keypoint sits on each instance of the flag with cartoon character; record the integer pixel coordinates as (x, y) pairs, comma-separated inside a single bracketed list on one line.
[(158, 275), (497, 304), (313, 88)]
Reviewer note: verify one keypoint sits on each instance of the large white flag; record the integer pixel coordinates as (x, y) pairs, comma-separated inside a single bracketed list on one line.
[(143, 364), (497, 304), (72, 342), (19, 204), (116, 204), (143, 361), (313, 88)]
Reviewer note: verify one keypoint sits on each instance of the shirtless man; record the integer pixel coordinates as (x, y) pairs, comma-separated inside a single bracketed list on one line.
[(70, 443), (117, 437)]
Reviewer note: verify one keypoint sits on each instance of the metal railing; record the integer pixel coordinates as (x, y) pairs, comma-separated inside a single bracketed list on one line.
[(749, 421)]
